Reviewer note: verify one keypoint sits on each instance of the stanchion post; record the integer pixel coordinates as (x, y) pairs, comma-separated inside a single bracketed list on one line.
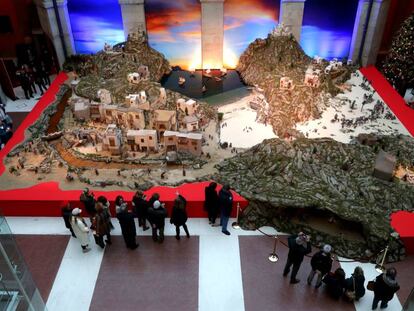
[(273, 257), (236, 224)]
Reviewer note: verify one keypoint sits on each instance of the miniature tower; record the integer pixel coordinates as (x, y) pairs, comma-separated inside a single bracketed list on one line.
[(133, 16)]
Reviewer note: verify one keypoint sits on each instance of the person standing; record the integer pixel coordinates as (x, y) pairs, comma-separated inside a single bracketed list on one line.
[(140, 209), (88, 200), (355, 284), (211, 202), (385, 287), (39, 80), (101, 225), (107, 210), (24, 83), (225, 199), (120, 204), (321, 264), (80, 228), (157, 214), (67, 214), (127, 223), (299, 246), (335, 283), (179, 216)]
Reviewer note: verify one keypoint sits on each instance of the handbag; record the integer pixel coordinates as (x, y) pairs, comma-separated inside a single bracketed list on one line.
[(371, 285), (350, 294)]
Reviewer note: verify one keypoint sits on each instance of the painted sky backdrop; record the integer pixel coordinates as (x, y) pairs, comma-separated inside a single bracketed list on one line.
[(174, 26)]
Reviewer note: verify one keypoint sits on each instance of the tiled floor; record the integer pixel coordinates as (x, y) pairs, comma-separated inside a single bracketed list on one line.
[(209, 271), (153, 277), (43, 255)]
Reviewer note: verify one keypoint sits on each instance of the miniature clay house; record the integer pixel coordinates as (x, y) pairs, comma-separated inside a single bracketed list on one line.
[(164, 120), (189, 107), (104, 96), (142, 140), (112, 140), (190, 123), (312, 77), (286, 83), (183, 142)]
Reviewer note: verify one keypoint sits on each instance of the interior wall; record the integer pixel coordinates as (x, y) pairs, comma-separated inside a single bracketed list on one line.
[(19, 12)]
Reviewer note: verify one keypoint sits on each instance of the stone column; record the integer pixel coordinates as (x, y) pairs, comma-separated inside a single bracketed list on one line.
[(212, 33), (359, 30), (50, 26), (375, 30), (133, 16), (291, 15)]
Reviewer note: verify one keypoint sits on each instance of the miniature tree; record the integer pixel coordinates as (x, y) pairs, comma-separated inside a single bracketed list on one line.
[(398, 67)]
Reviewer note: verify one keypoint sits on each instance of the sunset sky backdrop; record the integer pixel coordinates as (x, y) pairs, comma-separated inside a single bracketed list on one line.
[(174, 27)]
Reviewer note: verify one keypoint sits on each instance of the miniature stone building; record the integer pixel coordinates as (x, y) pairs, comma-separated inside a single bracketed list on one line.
[(112, 140), (105, 96), (134, 78), (107, 47), (95, 111), (144, 72), (286, 83), (142, 140), (183, 142), (164, 120), (162, 99), (190, 123), (134, 100), (312, 77), (384, 166), (81, 110), (317, 59), (130, 118), (189, 107)]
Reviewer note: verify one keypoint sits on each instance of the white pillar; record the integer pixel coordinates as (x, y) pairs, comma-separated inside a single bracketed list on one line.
[(50, 26), (291, 15), (212, 33), (359, 28), (133, 16), (373, 37)]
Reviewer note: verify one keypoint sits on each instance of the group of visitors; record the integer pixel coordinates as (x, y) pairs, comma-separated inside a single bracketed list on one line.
[(6, 127), (31, 75), (336, 283)]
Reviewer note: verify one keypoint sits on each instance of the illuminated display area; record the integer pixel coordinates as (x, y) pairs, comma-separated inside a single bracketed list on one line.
[(174, 27)]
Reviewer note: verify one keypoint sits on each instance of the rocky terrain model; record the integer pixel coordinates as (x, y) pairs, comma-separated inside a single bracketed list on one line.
[(325, 188), (279, 57)]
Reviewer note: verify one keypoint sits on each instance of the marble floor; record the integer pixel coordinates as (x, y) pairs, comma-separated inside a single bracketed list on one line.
[(209, 271)]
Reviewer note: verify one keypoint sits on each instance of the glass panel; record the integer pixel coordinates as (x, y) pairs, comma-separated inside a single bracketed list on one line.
[(17, 288)]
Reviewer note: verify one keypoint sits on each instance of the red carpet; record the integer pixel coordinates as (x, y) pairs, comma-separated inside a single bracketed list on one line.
[(391, 97), (403, 223), (46, 199), (45, 101)]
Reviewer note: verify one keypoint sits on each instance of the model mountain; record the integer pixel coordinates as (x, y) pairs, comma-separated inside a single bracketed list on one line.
[(266, 61), (323, 187)]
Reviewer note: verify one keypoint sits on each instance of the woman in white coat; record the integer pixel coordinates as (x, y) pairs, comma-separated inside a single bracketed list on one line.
[(80, 228)]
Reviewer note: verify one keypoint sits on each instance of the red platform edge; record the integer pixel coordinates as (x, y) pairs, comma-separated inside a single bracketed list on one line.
[(390, 96), (18, 136), (403, 223), (46, 199)]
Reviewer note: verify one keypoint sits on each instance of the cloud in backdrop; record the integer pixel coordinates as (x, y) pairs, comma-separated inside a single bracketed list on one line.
[(174, 26)]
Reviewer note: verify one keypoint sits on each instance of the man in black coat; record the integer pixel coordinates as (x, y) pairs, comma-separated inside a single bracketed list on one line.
[(179, 216), (299, 246), (67, 214), (211, 202), (129, 232), (384, 288), (226, 205), (156, 215), (321, 264), (141, 209)]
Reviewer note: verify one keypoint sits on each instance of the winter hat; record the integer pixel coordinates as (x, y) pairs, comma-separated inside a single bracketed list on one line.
[(327, 248), (76, 211), (157, 204)]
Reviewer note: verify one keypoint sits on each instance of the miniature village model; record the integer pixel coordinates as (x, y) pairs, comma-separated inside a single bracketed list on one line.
[(311, 144)]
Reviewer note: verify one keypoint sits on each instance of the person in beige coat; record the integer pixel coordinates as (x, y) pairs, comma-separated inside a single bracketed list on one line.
[(80, 228)]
